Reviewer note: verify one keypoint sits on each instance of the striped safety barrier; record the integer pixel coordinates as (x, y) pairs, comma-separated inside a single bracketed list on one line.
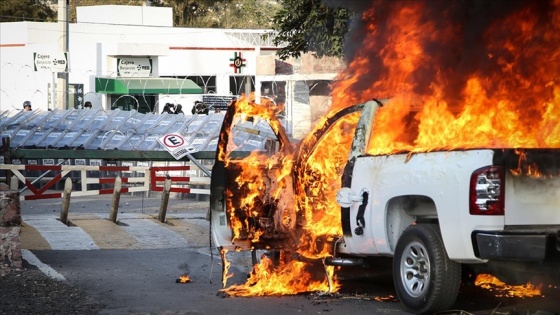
[(141, 183), (156, 178), (146, 179)]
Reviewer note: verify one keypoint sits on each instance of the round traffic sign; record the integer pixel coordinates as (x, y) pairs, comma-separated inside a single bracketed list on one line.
[(173, 141)]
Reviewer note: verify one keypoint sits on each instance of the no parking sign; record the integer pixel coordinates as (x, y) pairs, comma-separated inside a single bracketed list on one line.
[(176, 145)]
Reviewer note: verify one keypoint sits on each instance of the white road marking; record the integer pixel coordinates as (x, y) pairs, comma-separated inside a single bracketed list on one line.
[(46, 269)]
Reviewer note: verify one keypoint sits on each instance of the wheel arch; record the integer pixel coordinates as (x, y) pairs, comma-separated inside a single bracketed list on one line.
[(403, 211)]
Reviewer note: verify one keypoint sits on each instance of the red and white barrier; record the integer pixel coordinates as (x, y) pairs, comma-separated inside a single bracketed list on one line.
[(146, 179)]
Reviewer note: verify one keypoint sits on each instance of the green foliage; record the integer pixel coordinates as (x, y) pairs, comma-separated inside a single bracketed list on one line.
[(85, 3), (241, 14), (26, 10), (185, 12), (303, 26)]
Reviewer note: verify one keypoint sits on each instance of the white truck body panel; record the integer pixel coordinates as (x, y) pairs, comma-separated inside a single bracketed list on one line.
[(442, 176)]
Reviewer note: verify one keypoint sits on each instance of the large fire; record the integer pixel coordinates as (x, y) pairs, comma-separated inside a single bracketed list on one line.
[(486, 79), (455, 82)]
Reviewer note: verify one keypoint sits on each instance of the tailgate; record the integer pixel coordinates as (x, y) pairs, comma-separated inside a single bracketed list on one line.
[(532, 186)]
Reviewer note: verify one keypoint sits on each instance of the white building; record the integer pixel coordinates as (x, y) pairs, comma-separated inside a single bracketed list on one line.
[(131, 57)]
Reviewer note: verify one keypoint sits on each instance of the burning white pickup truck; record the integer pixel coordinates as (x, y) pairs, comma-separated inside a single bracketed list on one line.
[(433, 212)]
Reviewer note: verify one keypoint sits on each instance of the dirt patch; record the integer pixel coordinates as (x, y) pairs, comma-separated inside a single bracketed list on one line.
[(29, 291)]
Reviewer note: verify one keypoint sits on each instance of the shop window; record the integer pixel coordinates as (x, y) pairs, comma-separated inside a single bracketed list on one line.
[(207, 83)]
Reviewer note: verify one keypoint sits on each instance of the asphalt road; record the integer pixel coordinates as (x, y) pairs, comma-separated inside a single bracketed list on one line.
[(139, 277), (144, 281)]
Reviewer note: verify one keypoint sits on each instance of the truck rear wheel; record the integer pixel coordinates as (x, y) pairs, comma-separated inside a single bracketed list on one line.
[(426, 280)]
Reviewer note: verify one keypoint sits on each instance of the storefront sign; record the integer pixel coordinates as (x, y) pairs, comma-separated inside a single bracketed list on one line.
[(134, 67), (52, 62)]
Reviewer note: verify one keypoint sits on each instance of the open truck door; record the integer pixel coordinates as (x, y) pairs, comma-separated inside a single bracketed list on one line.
[(259, 185), (244, 188)]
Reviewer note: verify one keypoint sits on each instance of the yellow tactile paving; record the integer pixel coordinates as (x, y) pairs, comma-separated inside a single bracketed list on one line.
[(105, 234), (31, 239), (195, 235)]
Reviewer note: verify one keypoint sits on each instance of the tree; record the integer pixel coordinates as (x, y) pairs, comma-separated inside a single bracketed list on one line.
[(242, 14), (26, 10), (257, 13), (85, 3), (303, 26), (185, 12)]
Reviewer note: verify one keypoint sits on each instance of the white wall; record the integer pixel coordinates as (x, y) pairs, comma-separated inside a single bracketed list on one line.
[(125, 15), (92, 46)]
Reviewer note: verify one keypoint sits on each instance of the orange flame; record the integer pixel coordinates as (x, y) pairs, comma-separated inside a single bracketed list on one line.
[(495, 87), (489, 282), (503, 93), (268, 179), (286, 278), (184, 279), (319, 186), (225, 267)]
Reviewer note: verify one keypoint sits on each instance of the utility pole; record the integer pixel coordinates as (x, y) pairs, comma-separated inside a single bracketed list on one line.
[(62, 82)]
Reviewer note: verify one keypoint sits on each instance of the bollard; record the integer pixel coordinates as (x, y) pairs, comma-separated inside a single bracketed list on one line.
[(14, 183), (164, 199), (66, 201), (116, 199)]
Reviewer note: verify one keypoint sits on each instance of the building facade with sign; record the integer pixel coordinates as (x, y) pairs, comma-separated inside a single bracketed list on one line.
[(115, 63), (131, 57)]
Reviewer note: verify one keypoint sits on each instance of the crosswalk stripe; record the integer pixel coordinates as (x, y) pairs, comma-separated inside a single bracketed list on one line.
[(95, 231), (151, 234), (196, 234), (59, 235), (105, 233)]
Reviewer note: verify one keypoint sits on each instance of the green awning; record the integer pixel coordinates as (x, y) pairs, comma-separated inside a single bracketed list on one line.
[(124, 86)]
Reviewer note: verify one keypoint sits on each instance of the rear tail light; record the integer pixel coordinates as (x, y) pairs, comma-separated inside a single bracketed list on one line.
[(487, 191)]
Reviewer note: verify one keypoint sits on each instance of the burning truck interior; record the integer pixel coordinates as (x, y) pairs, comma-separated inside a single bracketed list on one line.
[(256, 199), (479, 77)]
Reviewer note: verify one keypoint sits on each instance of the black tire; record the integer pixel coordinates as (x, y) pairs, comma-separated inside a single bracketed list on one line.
[(426, 280)]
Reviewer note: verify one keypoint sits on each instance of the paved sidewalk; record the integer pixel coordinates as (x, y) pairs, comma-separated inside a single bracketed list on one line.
[(127, 204), (137, 224)]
